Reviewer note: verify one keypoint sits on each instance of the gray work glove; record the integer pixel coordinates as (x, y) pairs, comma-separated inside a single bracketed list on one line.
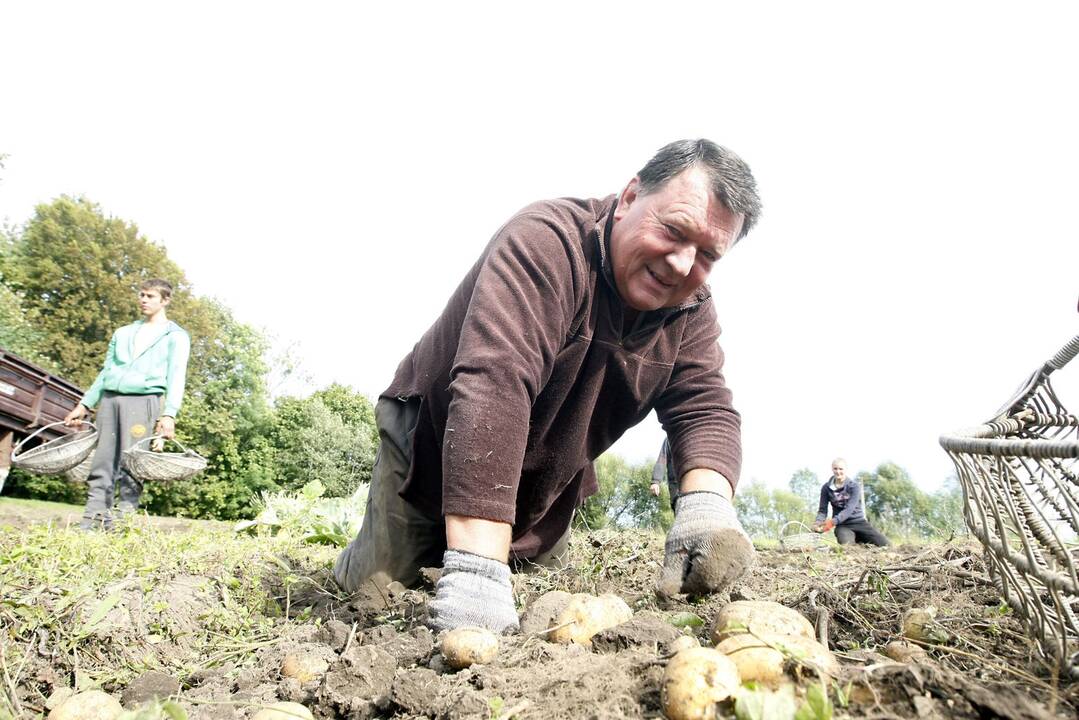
[(473, 590), (707, 549)]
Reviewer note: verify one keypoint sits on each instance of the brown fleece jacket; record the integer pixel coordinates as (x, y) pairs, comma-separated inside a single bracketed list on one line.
[(529, 375)]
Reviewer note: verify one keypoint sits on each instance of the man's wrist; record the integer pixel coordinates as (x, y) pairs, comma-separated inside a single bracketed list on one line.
[(706, 480)]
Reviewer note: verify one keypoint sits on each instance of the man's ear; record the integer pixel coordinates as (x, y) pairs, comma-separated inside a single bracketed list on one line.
[(629, 194)]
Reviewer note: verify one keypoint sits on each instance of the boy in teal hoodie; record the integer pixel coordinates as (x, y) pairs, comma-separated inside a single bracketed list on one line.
[(141, 385)]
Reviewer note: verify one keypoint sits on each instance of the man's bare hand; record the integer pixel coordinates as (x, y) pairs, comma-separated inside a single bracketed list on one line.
[(165, 427), (654, 489), (75, 417)]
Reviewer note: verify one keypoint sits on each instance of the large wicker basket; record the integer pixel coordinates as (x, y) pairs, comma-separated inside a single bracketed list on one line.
[(148, 465), (81, 472), (1020, 478), (796, 535), (58, 455)]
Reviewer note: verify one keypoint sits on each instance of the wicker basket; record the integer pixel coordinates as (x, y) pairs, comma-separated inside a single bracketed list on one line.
[(81, 472), (147, 465), (1020, 478), (796, 536), (58, 455)]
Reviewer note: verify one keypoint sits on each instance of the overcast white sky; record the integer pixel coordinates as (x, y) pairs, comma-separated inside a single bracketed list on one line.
[(330, 171)]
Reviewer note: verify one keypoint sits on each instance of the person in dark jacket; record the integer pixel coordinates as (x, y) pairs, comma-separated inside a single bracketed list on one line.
[(579, 318), (844, 496)]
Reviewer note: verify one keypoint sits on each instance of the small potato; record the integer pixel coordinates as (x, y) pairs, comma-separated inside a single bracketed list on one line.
[(764, 658), (696, 679), (761, 617), (920, 624), (586, 615), (682, 642), (905, 652), (304, 667), (89, 705), (283, 711), (466, 646)]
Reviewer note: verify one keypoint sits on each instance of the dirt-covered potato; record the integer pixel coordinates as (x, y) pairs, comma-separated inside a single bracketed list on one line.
[(763, 658), (905, 652), (586, 615), (760, 617), (921, 624), (89, 705), (467, 646), (283, 711), (696, 679), (682, 642), (304, 666)]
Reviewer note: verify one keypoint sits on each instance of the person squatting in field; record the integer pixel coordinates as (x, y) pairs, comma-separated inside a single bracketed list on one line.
[(578, 319), (844, 496), (146, 362)]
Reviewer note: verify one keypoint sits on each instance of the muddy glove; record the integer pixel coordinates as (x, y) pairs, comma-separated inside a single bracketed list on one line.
[(707, 549), (473, 590)]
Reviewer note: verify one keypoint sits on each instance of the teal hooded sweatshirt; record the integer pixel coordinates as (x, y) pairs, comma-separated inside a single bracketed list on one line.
[(160, 369)]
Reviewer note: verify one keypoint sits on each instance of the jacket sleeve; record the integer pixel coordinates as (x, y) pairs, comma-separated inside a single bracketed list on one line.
[(93, 395), (659, 471), (822, 508), (519, 314), (853, 504), (176, 378), (695, 408)]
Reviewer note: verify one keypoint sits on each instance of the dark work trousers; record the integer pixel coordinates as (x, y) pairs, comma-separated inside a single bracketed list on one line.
[(396, 539), (122, 420), (859, 531)]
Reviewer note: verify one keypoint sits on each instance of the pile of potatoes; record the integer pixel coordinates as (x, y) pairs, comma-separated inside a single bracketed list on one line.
[(762, 642)]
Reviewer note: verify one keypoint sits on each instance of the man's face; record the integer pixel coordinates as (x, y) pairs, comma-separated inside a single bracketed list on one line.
[(664, 244), (150, 302), (839, 471)]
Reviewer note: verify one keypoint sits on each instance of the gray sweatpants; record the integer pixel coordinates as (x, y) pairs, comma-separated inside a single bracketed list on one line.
[(122, 420), (396, 539)]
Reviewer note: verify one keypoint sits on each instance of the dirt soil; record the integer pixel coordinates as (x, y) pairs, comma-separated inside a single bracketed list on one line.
[(370, 655)]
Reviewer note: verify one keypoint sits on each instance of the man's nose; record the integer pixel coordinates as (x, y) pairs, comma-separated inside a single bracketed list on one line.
[(682, 259)]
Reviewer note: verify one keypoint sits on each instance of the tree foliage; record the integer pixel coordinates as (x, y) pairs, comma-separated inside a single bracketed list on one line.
[(329, 436), (805, 484), (624, 499), (764, 511)]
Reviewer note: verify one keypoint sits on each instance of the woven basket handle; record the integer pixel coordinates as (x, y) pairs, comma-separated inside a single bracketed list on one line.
[(15, 450), (1065, 354), (783, 530), (151, 438)]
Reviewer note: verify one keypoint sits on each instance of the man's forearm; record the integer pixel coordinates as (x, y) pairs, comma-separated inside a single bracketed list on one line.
[(478, 536)]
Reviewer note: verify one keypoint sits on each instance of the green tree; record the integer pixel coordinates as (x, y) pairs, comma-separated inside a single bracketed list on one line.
[(894, 503), (805, 484), (330, 436), (764, 511)]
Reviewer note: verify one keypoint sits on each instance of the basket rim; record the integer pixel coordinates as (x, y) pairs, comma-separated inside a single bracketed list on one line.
[(45, 446)]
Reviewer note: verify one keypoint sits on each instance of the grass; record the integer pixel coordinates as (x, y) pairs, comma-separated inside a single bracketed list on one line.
[(7, 503), (106, 607)]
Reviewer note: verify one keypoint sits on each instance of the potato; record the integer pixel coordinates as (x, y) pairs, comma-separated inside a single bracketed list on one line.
[(586, 615), (466, 646), (696, 679), (283, 711), (304, 667), (760, 617), (905, 652), (920, 624), (89, 705), (763, 659), (682, 642)]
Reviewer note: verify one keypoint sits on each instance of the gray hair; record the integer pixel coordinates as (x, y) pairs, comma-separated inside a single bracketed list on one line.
[(732, 181)]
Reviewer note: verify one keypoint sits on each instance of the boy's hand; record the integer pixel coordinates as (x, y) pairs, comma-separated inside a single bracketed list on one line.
[(165, 427), (74, 418)]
